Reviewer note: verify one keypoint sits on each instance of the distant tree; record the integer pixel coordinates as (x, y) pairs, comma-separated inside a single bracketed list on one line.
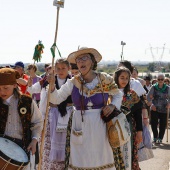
[(151, 67), (168, 65)]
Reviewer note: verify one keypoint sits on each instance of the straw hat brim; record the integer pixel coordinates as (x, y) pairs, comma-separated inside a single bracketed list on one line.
[(72, 57)]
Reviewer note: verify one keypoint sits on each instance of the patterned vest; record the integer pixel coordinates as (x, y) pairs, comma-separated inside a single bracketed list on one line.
[(160, 100), (24, 111)]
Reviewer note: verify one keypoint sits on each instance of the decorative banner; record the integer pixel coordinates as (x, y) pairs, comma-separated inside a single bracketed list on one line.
[(53, 50), (38, 51), (59, 3)]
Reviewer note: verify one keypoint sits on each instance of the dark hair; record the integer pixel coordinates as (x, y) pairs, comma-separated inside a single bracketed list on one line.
[(147, 78), (62, 61), (46, 65), (134, 68), (17, 92), (32, 66), (153, 80), (94, 61), (116, 78), (127, 64), (73, 66)]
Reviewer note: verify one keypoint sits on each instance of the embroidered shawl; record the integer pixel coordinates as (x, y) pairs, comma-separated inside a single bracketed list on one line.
[(106, 84)]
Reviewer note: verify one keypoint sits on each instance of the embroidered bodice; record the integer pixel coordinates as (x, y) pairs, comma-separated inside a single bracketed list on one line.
[(130, 99)]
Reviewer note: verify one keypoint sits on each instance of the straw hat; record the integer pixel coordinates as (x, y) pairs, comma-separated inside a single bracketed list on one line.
[(84, 50), (8, 76)]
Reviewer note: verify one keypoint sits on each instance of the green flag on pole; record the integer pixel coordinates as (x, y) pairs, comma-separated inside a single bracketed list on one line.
[(53, 50)]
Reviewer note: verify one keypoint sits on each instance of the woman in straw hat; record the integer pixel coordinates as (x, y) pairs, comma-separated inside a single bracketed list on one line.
[(87, 145)]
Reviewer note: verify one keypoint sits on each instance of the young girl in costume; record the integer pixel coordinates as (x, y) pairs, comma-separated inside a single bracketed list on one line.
[(20, 118), (87, 142), (32, 69), (55, 139), (134, 104)]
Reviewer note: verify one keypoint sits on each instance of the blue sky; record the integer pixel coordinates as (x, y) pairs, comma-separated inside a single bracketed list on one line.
[(100, 24)]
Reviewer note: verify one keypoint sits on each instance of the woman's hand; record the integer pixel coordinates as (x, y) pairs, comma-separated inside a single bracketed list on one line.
[(107, 110), (30, 81), (149, 103), (168, 106), (51, 79), (153, 107), (32, 146), (146, 121), (22, 81), (139, 138)]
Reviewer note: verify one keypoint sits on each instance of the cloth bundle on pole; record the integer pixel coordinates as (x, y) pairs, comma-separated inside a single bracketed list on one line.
[(167, 124), (38, 51)]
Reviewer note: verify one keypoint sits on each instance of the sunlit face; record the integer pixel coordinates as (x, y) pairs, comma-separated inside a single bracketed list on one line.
[(20, 70), (31, 70), (74, 72), (166, 81), (123, 79), (134, 74), (84, 63), (160, 80), (6, 91), (62, 70), (147, 82)]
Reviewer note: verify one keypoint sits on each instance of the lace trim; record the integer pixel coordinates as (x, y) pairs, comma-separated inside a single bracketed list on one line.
[(92, 84), (92, 168)]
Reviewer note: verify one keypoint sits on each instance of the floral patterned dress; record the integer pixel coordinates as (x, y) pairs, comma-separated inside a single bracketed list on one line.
[(132, 101)]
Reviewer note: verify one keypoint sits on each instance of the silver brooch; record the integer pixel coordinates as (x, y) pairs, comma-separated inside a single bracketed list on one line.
[(89, 105), (23, 110)]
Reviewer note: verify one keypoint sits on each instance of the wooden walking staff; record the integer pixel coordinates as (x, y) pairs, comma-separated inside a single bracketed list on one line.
[(58, 4), (167, 124)]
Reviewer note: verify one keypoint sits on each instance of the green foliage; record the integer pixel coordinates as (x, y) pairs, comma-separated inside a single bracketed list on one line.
[(111, 68), (107, 68), (151, 67)]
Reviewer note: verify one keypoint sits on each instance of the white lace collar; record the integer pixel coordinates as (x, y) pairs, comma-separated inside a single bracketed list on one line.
[(92, 84)]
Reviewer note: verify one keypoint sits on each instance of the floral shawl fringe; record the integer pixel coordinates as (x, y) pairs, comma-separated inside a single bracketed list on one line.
[(67, 149), (118, 158), (106, 84)]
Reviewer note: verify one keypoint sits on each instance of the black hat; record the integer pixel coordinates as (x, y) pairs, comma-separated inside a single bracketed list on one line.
[(18, 63)]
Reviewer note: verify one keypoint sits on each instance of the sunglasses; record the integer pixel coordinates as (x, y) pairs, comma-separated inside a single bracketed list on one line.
[(160, 79), (84, 58)]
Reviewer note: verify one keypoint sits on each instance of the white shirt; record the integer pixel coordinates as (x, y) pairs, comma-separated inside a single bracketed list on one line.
[(137, 87)]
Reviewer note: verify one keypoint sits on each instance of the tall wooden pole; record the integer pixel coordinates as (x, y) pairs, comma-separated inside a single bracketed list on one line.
[(48, 98), (167, 124)]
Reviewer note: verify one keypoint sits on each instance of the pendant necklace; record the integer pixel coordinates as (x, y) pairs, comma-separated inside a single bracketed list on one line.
[(89, 104)]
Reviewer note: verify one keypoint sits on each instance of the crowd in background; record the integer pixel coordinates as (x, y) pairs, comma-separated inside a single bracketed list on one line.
[(76, 137)]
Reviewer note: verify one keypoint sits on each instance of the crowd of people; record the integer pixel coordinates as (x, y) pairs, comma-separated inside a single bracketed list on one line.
[(96, 121)]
